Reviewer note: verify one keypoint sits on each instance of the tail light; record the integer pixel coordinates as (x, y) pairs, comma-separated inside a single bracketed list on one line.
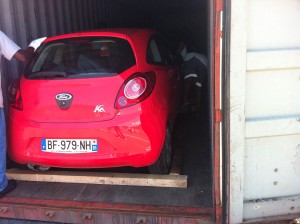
[(14, 95), (135, 89)]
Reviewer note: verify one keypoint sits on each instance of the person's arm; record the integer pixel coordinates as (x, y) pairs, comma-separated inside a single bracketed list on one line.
[(24, 55), (10, 49)]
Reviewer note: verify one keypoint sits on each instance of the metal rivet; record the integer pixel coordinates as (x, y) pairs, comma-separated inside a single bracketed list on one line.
[(295, 221), (141, 220), (276, 170), (50, 214), (87, 216), (275, 182), (292, 208), (3, 209)]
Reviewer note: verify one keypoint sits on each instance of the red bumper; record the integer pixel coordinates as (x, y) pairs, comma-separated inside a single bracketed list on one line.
[(134, 140)]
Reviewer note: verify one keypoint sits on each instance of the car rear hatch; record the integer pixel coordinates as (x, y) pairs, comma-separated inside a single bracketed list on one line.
[(76, 79), (76, 100)]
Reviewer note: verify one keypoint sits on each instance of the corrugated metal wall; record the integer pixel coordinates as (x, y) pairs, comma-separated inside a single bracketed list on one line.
[(265, 110), (272, 110), (24, 21)]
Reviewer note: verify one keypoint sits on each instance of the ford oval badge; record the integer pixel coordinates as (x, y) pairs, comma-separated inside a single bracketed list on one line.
[(64, 100)]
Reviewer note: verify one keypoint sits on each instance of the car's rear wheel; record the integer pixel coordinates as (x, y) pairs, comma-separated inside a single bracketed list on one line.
[(9, 163), (164, 162)]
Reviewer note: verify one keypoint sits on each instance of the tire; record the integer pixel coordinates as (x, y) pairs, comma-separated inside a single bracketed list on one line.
[(164, 162), (9, 163)]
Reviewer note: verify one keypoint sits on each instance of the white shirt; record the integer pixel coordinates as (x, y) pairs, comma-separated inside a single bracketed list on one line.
[(189, 55), (200, 57), (8, 49)]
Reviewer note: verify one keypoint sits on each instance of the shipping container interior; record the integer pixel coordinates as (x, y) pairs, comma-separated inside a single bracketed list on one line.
[(177, 20)]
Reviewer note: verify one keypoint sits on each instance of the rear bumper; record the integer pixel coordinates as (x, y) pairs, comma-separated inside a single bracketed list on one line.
[(132, 139)]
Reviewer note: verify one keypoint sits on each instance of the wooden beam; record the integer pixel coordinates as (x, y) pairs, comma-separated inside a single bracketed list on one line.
[(149, 180)]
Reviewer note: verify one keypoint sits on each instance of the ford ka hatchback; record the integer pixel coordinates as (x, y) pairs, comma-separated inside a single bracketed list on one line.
[(96, 100)]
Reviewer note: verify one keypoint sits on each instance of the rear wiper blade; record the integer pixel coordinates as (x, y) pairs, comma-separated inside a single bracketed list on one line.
[(48, 74)]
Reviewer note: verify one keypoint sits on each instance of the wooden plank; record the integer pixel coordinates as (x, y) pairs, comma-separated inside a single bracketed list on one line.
[(149, 180)]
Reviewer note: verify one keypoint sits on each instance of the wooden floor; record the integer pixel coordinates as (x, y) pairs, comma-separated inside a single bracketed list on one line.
[(191, 138)]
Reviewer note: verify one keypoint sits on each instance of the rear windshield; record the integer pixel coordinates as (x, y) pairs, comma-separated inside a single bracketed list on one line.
[(81, 57)]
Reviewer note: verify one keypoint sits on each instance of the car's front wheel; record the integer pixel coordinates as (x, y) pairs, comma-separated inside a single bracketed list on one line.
[(164, 162)]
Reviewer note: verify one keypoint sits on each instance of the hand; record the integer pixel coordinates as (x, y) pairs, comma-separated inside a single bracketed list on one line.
[(36, 43), (24, 55)]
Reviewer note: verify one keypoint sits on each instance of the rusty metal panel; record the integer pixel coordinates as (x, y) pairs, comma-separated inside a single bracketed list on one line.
[(215, 109), (272, 207), (94, 212)]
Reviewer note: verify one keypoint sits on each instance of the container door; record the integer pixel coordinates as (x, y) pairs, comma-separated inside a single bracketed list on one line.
[(265, 108), (215, 99)]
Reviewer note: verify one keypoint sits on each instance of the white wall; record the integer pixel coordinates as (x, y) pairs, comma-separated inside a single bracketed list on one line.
[(265, 104)]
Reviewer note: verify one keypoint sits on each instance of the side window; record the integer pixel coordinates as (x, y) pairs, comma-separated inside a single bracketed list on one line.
[(164, 51), (153, 54), (158, 52)]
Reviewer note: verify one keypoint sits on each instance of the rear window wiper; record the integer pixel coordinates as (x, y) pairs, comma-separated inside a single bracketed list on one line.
[(47, 74)]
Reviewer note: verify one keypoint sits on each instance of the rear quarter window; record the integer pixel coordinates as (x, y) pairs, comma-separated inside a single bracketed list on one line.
[(158, 52)]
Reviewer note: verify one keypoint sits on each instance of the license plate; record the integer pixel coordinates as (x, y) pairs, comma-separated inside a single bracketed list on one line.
[(69, 145)]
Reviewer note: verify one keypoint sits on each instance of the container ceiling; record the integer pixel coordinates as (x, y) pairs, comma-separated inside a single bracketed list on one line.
[(165, 6)]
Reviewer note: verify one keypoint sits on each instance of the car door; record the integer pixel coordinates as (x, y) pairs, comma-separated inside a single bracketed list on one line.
[(173, 71)]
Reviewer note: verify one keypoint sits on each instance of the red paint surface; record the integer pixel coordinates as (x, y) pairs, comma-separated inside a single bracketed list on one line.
[(217, 110), (131, 136)]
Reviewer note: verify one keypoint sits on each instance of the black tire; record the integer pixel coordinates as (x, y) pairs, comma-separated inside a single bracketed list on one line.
[(9, 163), (164, 162)]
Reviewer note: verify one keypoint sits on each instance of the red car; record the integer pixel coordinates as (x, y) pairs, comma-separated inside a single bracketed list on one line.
[(96, 99)]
